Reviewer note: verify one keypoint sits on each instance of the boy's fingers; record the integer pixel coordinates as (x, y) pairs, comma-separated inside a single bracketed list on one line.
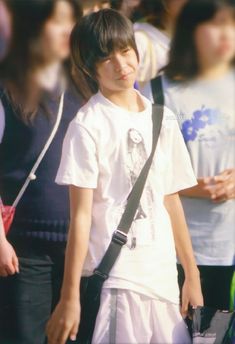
[(48, 328), (184, 308), (57, 334), (51, 332), (63, 336), (73, 333)]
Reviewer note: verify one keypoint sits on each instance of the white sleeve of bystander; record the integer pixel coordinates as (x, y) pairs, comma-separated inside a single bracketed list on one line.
[(2, 121)]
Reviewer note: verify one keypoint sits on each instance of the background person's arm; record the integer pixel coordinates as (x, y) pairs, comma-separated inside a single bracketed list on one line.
[(9, 264), (218, 188), (197, 191)]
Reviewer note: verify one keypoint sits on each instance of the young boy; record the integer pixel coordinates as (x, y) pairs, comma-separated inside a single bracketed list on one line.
[(104, 151)]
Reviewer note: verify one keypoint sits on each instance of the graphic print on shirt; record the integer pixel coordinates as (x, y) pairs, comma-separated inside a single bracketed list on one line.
[(207, 125), (136, 158)]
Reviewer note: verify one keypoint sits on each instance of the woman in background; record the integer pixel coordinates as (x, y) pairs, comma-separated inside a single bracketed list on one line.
[(153, 35), (5, 28), (127, 7), (199, 86), (89, 6), (32, 80)]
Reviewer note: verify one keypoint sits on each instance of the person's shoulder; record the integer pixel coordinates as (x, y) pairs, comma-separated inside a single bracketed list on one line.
[(89, 117), (168, 83), (151, 32), (88, 111), (142, 26), (168, 115), (173, 88), (142, 31), (142, 38)]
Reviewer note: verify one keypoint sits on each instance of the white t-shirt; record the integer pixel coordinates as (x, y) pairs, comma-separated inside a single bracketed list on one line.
[(206, 115), (160, 42), (105, 148)]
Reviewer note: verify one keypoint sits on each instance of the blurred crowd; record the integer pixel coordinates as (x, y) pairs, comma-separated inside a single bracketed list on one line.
[(187, 62)]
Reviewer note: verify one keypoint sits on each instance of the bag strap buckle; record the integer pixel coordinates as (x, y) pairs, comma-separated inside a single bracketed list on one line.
[(101, 275), (119, 237)]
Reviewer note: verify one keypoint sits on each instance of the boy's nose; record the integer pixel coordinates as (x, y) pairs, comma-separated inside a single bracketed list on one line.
[(120, 63)]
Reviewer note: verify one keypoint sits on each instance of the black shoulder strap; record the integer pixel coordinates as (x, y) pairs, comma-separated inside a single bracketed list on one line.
[(120, 235), (1, 91), (157, 90)]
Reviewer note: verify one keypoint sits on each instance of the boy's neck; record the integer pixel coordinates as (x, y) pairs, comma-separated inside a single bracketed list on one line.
[(128, 99)]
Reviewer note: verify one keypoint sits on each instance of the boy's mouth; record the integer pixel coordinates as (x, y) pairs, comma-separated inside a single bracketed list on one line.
[(124, 76)]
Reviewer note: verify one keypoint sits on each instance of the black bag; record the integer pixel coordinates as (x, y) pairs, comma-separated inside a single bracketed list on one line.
[(90, 289), (211, 326)]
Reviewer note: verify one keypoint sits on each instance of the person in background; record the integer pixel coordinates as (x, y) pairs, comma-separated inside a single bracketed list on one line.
[(5, 28), (126, 7), (199, 86), (90, 6), (33, 76), (153, 35)]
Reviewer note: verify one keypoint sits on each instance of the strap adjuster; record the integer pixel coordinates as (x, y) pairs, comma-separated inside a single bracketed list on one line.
[(119, 237), (100, 274)]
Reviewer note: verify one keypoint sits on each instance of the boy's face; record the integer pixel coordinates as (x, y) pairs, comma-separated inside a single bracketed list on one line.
[(118, 71)]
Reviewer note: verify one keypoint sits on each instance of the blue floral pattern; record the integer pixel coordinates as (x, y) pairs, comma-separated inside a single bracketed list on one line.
[(200, 119)]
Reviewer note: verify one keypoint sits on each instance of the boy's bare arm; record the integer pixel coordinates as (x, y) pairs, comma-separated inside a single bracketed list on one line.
[(191, 290), (78, 238), (181, 234), (65, 319)]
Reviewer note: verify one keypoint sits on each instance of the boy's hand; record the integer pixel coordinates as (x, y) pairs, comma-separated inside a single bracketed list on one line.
[(9, 264), (64, 322), (191, 295), (222, 186)]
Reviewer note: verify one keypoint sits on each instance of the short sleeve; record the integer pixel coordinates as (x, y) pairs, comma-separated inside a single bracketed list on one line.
[(142, 44), (180, 174), (78, 165)]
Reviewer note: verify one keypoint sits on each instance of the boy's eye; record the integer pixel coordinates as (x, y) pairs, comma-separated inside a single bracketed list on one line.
[(126, 50), (105, 59)]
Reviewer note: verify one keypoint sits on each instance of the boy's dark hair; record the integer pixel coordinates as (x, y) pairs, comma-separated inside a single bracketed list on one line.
[(94, 38), (183, 62)]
